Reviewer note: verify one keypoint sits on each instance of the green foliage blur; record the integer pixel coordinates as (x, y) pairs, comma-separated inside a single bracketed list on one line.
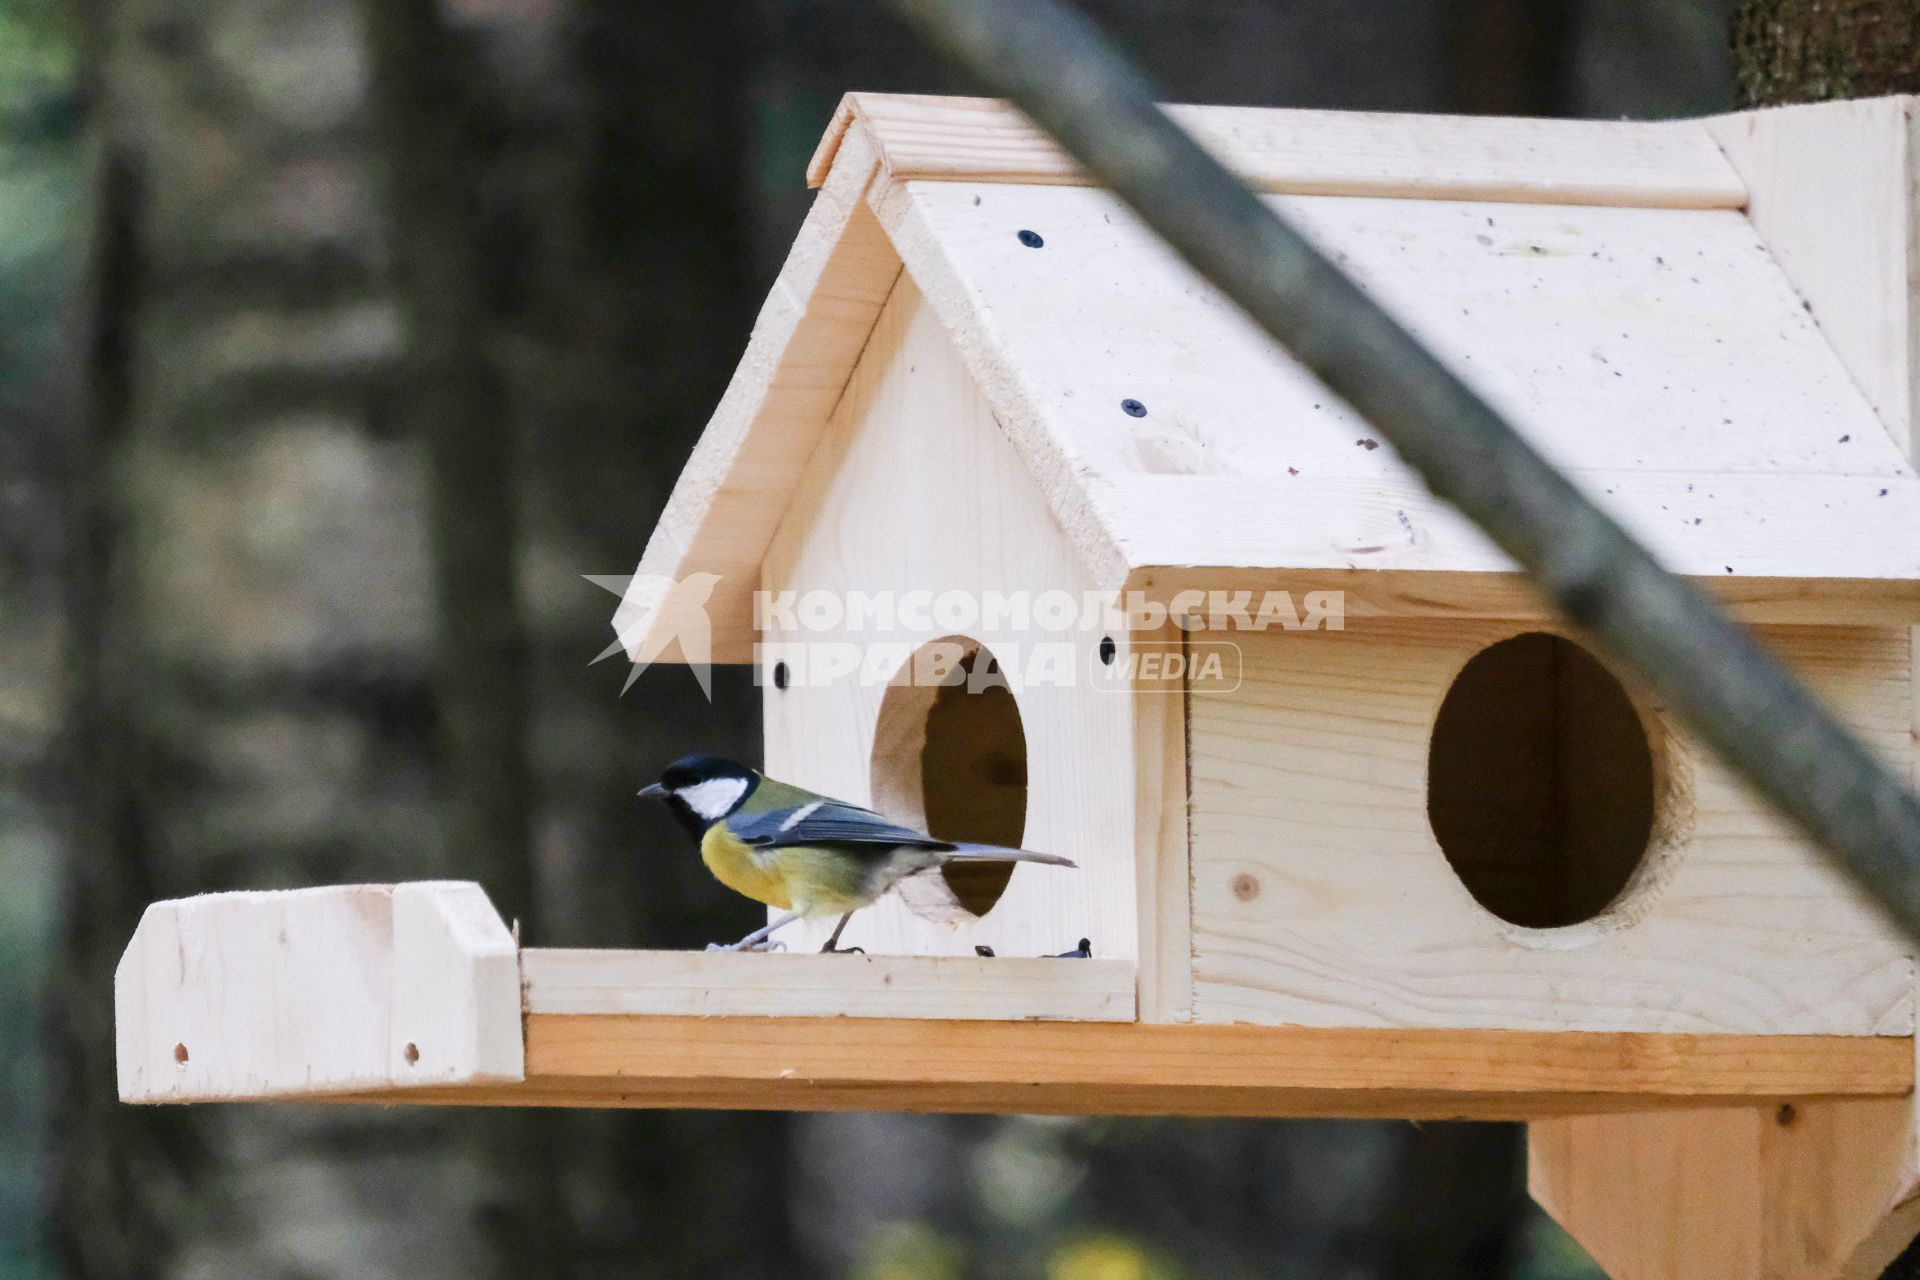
[(41, 212)]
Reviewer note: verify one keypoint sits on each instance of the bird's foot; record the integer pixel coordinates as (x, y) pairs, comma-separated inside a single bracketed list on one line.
[(831, 950), (759, 944)]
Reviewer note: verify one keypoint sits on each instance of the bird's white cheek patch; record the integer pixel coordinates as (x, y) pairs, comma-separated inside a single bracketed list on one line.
[(715, 797)]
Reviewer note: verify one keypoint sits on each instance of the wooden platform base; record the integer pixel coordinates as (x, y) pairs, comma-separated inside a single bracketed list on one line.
[(1713, 1157), (1135, 1069), (419, 993)]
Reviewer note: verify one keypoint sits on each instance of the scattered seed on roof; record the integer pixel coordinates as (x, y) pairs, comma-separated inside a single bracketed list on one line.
[(1845, 438), (1367, 444), (1293, 471), (1031, 239), (1484, 238), (1883, 493), (976, 202), (1133, 408)]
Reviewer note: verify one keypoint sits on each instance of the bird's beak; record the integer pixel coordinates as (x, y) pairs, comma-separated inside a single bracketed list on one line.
[(652, 789)]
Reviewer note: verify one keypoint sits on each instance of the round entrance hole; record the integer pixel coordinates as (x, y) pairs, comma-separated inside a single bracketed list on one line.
[(1540, 782), (950, 756)]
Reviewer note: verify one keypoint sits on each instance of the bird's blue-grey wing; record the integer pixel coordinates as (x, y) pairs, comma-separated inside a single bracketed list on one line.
[(826, 822)]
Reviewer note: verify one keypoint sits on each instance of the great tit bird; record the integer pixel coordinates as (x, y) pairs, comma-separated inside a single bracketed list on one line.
[(808, 855)]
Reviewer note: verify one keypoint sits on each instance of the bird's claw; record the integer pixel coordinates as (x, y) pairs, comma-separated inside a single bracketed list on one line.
[(766, 945)]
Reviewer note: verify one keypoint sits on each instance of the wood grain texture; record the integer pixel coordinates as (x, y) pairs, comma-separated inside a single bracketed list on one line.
[(914, 489), (1822, 1190), (1391, 593), (1659, 356), (285, 994), (1428, 157), (1321, 896), (724, 506), (1805, 1190), (681, 983), (1109, 1068), (1163, 852), (1833, 198)]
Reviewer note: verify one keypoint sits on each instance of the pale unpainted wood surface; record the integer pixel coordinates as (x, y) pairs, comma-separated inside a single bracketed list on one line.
[(1833, 198), (915, 489), (1428, 157), (1663, 341), (1849, 564), (1806, 1190), (725, 504), (1161, 841), (724, 984), (282, 994), (1321, 896), (1396, 593), (1188, 1069), (1660, 356)]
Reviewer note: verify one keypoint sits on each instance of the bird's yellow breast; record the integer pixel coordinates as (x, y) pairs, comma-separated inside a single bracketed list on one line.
[(734, 865)]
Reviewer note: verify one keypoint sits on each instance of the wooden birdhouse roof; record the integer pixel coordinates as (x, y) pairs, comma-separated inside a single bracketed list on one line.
[(1601, 282)]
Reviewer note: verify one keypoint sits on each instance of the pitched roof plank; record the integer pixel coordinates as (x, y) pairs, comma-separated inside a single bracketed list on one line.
[(734, 489), (1673, 165), (1660, 356)]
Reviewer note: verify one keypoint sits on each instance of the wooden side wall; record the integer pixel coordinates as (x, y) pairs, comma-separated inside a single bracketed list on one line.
[(1322, 897), (916, 489)]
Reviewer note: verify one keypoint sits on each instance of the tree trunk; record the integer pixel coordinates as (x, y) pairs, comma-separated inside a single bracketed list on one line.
[(430, 103), (111, 1229), (1816, 50), (1507, 57), (248, 640)]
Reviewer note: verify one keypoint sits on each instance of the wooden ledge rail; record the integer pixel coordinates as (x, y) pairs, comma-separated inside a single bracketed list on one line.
[(1184, 1069), (713, 984)]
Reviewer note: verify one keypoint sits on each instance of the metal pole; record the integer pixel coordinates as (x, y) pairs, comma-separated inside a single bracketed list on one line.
[(1760, 720)]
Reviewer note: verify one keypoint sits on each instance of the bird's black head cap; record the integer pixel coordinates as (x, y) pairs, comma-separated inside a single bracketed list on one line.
[(700, 790)]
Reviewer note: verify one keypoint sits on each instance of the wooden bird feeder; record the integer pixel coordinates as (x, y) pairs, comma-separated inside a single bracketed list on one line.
[(1438, 862)]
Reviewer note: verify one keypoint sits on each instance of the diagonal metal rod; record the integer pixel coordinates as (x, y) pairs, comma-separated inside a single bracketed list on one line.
[(1760, 720)]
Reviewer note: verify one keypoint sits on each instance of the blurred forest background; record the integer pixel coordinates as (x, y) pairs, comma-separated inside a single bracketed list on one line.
[(338, 339)]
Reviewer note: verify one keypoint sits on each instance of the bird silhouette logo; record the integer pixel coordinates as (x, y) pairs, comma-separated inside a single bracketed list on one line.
[(659, 616)]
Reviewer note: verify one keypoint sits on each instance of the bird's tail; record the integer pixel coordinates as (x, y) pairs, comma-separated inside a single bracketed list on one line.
[(965, 852)]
